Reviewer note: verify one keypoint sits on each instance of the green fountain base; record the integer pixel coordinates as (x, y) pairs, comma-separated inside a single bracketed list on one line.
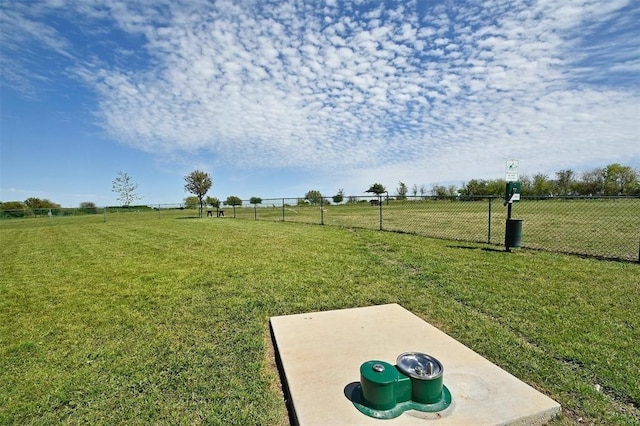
[(400, 407)]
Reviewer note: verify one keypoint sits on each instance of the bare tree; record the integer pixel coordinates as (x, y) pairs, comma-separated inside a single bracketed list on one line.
[(124, 186), (402, 191)]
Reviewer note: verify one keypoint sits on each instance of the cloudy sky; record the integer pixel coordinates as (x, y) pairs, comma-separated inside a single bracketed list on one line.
[(276, 98)]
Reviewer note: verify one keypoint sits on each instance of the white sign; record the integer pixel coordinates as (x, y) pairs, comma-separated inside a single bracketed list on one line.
[(511, 171)]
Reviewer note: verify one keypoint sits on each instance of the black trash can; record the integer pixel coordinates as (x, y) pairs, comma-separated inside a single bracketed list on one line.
[(513, 237)]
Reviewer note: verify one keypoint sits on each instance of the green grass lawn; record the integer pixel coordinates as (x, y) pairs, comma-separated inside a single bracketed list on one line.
[(140, 320)]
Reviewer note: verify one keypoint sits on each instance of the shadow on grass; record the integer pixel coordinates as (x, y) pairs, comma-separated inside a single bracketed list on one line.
[(490, 249), (497, 250), (464, 247)]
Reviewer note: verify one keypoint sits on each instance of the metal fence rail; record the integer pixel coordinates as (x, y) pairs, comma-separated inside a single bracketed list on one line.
[(605, 227)]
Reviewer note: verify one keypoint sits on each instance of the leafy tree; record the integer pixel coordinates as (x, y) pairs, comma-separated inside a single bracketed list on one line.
[(483, 187), (475, 187), (591, 182), (88, 207), (213, 202), (377, 188), (439, 191), (314, 197), (496, 187), (13, 209), (564, 181), (198, 183), (124, 186), (526, 185), (620, 180), (32, 203), (634, 187), (255, 201), (541, 184), (414, 190), (232, 200), (191, 202), (339, 197), (402, 191), (442, 191), (37, 203), (13, 205)]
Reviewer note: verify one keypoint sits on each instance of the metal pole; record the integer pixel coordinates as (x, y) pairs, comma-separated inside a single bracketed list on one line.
[(508, 202), (489, 224), (380, 204), (321, 211), (283, 209)]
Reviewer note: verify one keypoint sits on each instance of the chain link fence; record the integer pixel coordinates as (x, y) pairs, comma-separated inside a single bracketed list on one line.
[(604, 227)]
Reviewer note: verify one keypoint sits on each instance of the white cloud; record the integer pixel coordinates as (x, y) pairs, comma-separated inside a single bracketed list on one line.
[(386, 90)]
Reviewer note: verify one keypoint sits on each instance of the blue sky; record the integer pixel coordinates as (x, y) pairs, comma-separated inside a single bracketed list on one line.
[(276, 98)]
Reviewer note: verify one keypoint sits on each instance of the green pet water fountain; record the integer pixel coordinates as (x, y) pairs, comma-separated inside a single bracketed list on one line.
[(386, 391)]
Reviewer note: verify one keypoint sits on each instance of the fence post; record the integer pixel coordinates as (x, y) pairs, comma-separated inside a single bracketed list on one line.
[(321, 211), (489, 224), (104, 214), (283, 209), (380, 204)]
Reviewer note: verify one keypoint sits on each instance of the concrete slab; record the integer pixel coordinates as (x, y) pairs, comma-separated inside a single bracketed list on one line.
[(321, 354)]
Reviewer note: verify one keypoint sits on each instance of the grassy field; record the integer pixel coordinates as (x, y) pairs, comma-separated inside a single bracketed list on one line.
[(135, 320)]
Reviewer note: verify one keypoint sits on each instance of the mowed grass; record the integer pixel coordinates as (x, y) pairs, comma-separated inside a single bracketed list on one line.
[(140, 320)]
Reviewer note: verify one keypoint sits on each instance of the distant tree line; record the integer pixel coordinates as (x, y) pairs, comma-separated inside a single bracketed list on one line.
[(614, 179), (32, 204), (38, 206)]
